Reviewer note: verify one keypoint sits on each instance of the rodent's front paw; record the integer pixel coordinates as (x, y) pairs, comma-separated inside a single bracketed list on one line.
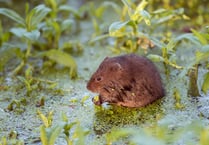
[(96, 100)]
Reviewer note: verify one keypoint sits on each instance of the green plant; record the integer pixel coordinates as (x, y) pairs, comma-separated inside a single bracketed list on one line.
[(159, 135), (4, 36), (61, 19), (97, 15), (11, 139), (47, 120), (49, 134), (36, 27), (28, 28)]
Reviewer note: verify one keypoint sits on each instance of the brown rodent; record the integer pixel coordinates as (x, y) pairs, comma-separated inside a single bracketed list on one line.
[(127, 80)]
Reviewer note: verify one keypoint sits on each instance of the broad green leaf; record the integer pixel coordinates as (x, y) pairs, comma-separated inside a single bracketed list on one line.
[(205, 48), (171, 45), (146, 16), (84, 99), (36, 15), (67, 127), (54, 133), (66, 24), (155, 58), (189, 37), (117, 134), (43, 118), (179, 11), (115, 29), (159, 11), (70, 9), (126, 3), (164, 19), (12, 15), (63, 59), (19, 32), (23, 33), (33, 35), (203, 54), (142, 5), (8, 52), (157, 42), (52, 3), (205, 85), (104, 36), (204, 137), (200, 37), (113, 5), (80, 135), (43, 136)]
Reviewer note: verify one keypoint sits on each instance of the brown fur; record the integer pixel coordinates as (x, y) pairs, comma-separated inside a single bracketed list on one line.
[(127, 80)]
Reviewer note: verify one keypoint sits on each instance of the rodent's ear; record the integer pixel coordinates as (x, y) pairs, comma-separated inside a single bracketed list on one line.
[(117, 67), (106, 58)]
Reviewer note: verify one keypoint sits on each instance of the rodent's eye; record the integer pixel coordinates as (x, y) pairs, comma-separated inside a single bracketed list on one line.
[(98, 79)]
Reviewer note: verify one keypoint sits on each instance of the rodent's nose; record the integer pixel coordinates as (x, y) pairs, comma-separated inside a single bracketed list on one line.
[(88, 86)]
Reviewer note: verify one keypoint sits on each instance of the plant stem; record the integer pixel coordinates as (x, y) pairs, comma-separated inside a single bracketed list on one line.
[(18, 68), (28, 50), (193, 76)]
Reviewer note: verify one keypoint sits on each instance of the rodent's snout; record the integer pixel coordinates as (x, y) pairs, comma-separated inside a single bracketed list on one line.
[(88, 86)]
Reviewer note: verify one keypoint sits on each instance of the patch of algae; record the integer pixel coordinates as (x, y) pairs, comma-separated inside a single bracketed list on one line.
[(110, 117)]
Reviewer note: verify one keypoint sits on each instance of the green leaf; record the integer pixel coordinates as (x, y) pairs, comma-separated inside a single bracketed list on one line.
[(203, 54), (164, 19), (66, 24), (70, 9), (33, 35), (200, 37), (189, 37), (157, 42), (43, 118), (158, 58), (54, 133), (36, 15), (8, 52), (115, 135), (142, 5), (12, 15), (63, 59), (23, 33), (84, 99), (113, 5), (205, 85), (115, 29), (159, 11), (43, 135), (19, 32), (171, 45), (126, 3), (155, 58), (146, 16)]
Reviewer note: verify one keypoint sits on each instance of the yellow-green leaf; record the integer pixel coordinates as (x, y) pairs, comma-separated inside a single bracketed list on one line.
[(12, 15), (155, 58), (54, 133), (43, 136), (116, 30), (205, 85), (63, 59), (200, 37), (43, 118)]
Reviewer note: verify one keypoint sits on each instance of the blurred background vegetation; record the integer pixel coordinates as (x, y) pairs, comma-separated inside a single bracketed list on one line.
[(40, 37)]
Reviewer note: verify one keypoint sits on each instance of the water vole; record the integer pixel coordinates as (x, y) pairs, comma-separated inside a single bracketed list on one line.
[(127, 80)]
